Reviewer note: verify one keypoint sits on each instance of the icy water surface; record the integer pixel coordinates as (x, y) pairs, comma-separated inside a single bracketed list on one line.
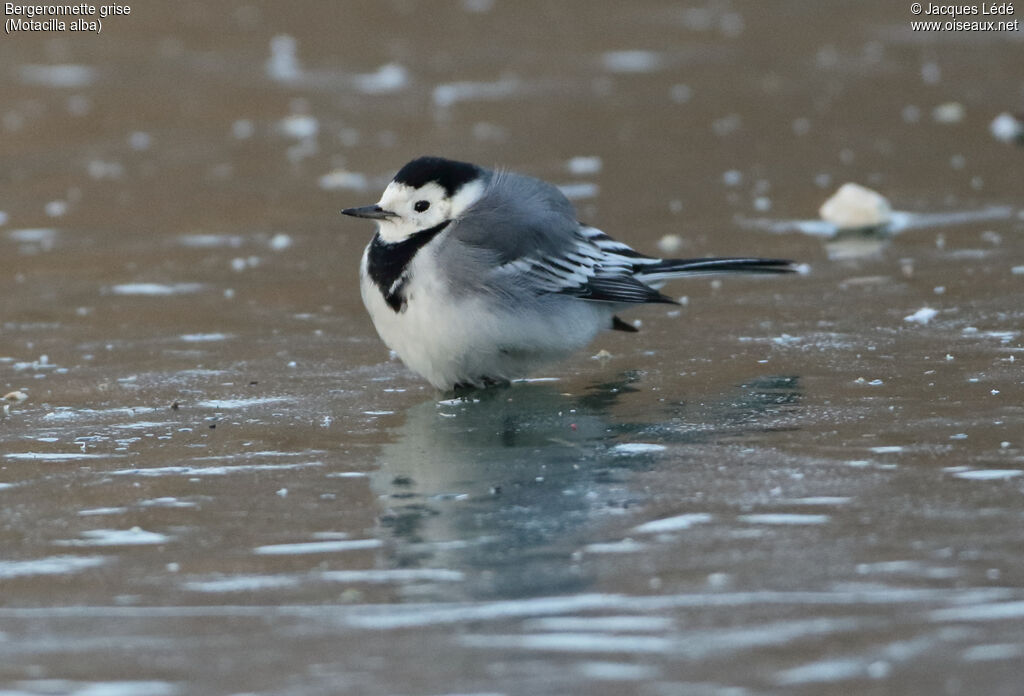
[(219, 483)]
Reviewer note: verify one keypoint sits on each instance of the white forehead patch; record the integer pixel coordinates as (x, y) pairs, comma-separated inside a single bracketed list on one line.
[(397, 195)]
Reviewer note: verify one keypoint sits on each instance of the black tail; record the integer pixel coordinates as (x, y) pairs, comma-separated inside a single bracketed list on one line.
[(674, 268)]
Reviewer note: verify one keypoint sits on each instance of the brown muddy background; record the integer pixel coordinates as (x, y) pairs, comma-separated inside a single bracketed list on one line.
[(782, 486)]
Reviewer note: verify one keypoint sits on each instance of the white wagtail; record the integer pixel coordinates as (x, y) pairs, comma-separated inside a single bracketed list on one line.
[(476, 277)]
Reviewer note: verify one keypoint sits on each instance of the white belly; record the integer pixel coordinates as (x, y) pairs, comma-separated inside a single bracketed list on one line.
[(465, 340)]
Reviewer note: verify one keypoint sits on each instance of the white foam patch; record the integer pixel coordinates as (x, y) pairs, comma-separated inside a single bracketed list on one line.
[(317, 547), (54, 565), (673, 524)]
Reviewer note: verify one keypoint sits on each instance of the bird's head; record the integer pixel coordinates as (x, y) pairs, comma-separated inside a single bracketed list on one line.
[(425, 193)]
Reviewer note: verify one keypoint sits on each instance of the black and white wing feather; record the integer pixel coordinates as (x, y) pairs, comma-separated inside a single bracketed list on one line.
[(592, 266), (529, 231)]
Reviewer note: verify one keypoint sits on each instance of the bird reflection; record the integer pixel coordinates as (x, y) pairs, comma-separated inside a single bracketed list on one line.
[(500, 483)]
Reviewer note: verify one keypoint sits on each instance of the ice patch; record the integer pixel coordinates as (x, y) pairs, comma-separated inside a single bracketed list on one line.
[(242, 583), (390, 77), (449, 94), (105, 688), (339, 179), (624, 546), (394, 575), (167, 502), (823, 672), (633, 448), (1007, 128), (299, 126), (34, 235), (635, 61), (898, 222), (605, 624), (994, 651), (783, 518), (856, 207), (54, 565), (57, 456), (91, 512), (673, 524), (318, 547), (156, 289), (210, 470), (583, 166), (997, 611), (228, 404), (204, 337), (116, 537), (572, 643), (616, 671), (61, 75), (210, 241), (283, 64), (818, 500), (988, 474), (922, 316), (579, 190)]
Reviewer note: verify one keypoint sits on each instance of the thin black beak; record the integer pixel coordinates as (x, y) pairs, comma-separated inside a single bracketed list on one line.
[(373, 212)]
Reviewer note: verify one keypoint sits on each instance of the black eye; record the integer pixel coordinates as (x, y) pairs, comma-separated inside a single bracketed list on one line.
[(421, 206)]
